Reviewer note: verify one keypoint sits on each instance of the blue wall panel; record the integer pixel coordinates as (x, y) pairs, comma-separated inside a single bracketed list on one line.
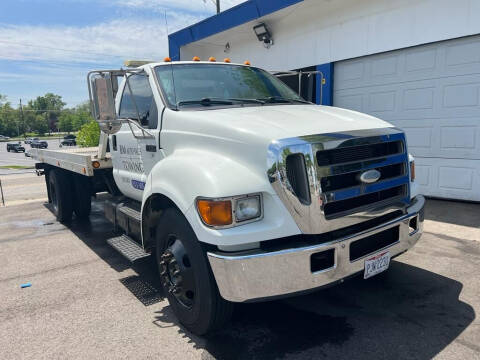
[(268, 7), (325, 90)]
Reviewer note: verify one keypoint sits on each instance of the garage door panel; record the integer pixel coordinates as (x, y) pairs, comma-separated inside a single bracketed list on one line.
[(463, 52), (433, 93), (449, 141), (352, 101), (419, 63), (449, 178)]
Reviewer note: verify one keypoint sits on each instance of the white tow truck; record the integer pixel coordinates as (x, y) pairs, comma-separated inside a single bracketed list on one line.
[(239, 188)]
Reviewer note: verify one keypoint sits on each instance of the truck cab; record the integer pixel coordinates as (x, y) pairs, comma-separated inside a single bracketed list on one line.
[(242, 190)]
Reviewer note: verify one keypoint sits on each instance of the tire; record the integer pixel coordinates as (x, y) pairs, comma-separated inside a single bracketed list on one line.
[(61, 194), (209, 310), (82, 205)]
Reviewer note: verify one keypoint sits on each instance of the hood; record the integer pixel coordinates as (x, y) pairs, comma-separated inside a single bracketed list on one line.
[(272, 122), (243, 134)]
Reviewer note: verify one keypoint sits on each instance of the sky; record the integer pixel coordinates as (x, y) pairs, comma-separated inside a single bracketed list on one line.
[(50, 45)]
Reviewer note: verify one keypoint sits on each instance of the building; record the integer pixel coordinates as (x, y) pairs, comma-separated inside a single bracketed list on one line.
[(415, 63)]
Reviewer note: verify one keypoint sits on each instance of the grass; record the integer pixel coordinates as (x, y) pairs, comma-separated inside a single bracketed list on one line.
[(15, 167), (52, 136)]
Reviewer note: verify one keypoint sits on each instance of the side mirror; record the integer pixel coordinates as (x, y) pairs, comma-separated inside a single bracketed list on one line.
[(102, 88)]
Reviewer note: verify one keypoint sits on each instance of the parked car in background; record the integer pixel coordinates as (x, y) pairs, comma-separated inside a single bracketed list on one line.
[(69, 140), (39, 144), (4, 138), (30, 139), (15, 147)]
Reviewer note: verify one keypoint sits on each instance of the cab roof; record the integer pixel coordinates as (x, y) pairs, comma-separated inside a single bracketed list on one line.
[(168, 63)]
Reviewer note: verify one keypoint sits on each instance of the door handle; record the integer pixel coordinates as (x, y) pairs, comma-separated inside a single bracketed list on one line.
[(151, 148)]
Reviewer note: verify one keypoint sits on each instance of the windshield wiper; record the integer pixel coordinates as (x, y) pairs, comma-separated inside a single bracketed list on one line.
[(205, 102), (301, 101), (248, 101), (275, 99), (282, 100)]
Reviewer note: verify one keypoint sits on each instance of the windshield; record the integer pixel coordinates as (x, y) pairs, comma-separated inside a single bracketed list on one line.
[(218, 84)]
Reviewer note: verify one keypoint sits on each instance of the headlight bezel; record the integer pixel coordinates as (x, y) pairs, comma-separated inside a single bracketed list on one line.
[(411, 167), (234, 200)]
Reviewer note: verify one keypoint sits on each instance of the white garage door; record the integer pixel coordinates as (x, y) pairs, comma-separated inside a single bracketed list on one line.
[(433, 93)]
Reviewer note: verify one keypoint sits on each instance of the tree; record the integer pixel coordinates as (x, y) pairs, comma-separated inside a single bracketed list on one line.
[(89, 134), (47, 103), (40, 125), (65, 122), (9, 120)]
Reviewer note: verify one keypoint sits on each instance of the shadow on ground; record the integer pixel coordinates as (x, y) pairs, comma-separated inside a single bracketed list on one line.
[(453, 212), (406, 312)]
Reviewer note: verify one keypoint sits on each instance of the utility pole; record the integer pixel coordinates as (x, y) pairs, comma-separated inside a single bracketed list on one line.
[(21, 114), (218, 6)]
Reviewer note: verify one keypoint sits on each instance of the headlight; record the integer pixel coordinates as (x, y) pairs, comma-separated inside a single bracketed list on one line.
[(228, 212), (248, 208)]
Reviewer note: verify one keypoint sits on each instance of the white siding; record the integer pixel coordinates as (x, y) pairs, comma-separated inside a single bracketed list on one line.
[(433, 93)]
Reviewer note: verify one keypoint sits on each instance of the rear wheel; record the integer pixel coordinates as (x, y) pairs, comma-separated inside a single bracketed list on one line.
[(60, 194), (82, 205), (186, 276)]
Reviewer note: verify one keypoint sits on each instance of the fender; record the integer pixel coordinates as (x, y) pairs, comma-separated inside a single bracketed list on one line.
[(187, 174)]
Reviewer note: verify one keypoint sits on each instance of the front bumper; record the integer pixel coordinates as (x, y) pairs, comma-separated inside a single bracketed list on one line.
[(263, 275)]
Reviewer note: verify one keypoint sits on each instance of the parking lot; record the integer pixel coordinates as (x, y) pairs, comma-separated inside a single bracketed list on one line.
[(86, 301)]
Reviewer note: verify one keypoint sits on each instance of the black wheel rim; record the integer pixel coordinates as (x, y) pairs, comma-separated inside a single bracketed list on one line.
[(176, 273)]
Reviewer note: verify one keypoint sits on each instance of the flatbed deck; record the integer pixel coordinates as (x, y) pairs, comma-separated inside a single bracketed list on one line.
[(77, 160)]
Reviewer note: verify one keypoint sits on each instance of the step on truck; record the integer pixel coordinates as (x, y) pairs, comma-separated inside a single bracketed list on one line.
[(240, 189)]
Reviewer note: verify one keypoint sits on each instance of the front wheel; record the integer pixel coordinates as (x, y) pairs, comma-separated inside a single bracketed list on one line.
[(186, 276)]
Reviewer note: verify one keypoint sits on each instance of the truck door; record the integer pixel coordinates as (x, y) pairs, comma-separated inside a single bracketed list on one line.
[(134, 153)]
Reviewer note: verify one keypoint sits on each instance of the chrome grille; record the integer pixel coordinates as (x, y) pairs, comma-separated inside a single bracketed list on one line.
[(332, 166), (344, 193)]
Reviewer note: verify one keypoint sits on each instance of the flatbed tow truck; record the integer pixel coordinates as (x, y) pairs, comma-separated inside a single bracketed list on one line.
[(240, 189)]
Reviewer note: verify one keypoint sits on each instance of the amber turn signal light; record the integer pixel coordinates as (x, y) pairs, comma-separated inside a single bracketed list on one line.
[(196, 58), (412, 170), (167, 59), (212, 59), (215, 213), (227, 60), (246, 62)]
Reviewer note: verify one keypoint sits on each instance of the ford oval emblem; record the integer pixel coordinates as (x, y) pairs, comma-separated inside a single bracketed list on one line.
[(370, 176)]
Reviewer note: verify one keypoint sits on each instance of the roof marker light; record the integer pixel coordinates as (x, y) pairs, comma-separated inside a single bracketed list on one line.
[(227, 60), (246, 62), (196, 58), (167, 59), (212, 59)]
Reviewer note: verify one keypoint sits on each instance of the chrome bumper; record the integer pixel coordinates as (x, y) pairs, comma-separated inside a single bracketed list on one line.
[(269, 274)]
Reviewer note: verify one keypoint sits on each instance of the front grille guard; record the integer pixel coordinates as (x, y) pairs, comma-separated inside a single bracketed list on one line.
[(310, 217)]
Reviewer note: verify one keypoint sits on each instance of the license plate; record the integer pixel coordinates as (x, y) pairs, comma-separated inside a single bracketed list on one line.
[(376, 264)]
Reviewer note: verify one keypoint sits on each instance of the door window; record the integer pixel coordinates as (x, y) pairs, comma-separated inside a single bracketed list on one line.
[(141, 97)]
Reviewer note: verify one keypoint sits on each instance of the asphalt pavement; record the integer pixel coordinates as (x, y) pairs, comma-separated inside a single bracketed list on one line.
[(87, 302), (11, 158)]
